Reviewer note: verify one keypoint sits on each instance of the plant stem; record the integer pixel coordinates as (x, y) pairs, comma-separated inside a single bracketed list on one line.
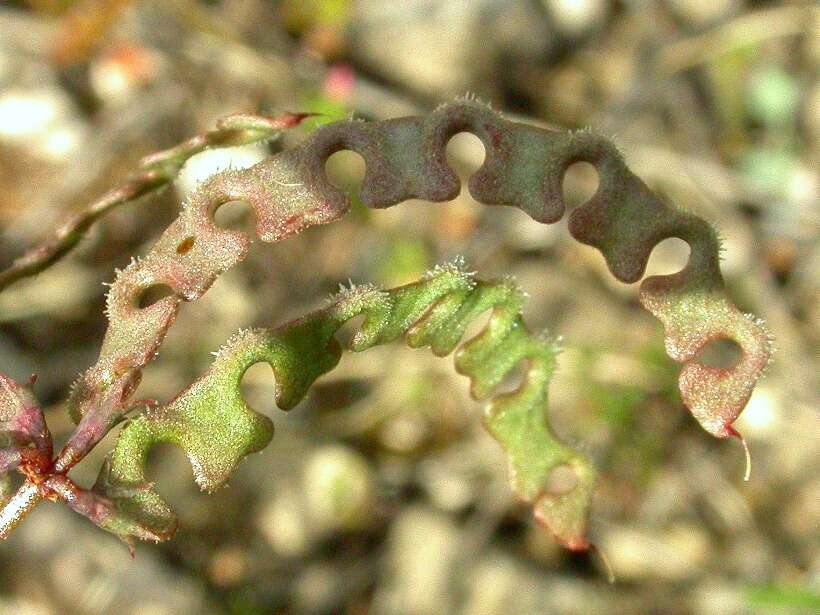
[(72, 230), (156, 170), (21, 504)]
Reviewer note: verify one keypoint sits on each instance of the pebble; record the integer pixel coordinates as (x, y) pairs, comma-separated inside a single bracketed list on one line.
[(577, 17)]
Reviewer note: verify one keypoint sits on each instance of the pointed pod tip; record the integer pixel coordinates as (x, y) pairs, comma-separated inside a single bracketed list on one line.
[(129, 544), (610, 574), (291, 119), (736, 434)]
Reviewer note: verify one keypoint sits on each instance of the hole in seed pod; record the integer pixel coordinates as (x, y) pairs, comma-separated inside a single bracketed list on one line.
[(329, 396), (149, 296), (513, 379), (258, 387), (579, 184), (561, 480), (348, 330), (668, 257), (234, 215), (166, 462), (721, 353), (465, 154), (477, 325), (185, 245), (345, 169)]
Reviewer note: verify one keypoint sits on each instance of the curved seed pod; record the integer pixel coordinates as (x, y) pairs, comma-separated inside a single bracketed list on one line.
[(405, 158), (215, 427)]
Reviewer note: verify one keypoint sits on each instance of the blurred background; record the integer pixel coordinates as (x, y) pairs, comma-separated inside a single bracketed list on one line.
[(381, 493)]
